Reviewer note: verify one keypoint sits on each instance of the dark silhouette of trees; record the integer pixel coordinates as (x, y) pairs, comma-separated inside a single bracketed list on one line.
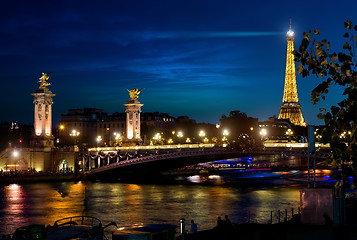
[(243, 130), (315, 57)]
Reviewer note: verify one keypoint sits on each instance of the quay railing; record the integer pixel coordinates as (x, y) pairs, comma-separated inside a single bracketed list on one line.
[(277, 216)]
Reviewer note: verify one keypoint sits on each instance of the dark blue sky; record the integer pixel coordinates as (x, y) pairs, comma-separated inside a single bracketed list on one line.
[(196, 58)]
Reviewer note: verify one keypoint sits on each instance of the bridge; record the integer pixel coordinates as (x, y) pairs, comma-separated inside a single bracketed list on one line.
[(138, 162)]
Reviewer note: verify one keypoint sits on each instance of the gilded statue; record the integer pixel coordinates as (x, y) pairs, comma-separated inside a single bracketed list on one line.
[(43, 81), (134, 94)]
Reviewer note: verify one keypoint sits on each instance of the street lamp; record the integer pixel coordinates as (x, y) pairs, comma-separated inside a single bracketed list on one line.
[(179, 134), (99, 139), (289, 133), (60, 134), (225, 132), (117, 138), (15, 155), (202, 134), (225, 137), (74, 134), (263, 133), (157, 138)]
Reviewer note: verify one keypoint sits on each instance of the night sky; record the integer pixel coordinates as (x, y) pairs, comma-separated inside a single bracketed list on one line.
[(197, 58)]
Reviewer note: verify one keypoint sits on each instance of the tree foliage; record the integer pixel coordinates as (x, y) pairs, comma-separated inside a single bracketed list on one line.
[(238, 122), (315, 57)]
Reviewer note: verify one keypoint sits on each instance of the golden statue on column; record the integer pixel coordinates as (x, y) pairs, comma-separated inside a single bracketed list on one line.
[(43, 81), (134, 94)]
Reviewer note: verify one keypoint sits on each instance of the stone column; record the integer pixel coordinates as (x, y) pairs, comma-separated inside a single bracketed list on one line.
[(43, 137), (133, 110)]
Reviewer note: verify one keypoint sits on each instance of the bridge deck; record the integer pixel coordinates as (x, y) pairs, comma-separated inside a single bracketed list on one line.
[(141, 164)]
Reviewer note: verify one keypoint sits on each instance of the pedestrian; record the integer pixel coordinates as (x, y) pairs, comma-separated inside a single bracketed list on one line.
[(193, 227), (219, 222), (227, 222)]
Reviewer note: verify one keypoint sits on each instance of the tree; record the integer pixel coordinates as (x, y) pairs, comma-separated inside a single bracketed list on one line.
[(315, 57), (239, 124)]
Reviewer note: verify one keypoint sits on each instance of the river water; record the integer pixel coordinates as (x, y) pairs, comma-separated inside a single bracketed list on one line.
[(130, 204)]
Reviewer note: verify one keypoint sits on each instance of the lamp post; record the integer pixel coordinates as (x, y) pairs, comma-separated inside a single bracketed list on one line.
[(60, 137), (263, 132), (157, 139), (225, 132), (180, 135), (289, 133), (99, 139), (15, 154), (225, 137), (74, 134), (117, 139), (202, 134)]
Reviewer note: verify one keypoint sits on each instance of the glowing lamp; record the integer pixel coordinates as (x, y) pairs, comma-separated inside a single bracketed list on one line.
[(290, 33)]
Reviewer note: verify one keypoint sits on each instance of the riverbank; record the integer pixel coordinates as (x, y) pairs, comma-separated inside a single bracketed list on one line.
[(291, 229), (252, 231), (37, 177)]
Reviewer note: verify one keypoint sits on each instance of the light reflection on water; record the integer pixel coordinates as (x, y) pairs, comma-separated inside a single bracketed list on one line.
[(129, 204)]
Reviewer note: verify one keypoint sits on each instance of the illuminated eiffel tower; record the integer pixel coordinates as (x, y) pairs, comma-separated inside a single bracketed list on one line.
[(291, 108)]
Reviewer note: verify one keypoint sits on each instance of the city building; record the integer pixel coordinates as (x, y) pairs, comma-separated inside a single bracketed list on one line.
[(111, 130), (80, 125), (162, 122), (95, 127), (14, 134), (282, 129)]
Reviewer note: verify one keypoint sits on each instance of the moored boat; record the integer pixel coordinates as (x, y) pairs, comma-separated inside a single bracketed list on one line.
[(77, 227)]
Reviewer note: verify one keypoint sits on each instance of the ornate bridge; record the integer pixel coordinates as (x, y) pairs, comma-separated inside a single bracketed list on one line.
[(135, 163)]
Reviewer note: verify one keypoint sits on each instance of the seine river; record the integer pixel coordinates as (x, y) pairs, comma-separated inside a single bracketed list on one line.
[(130, 204)]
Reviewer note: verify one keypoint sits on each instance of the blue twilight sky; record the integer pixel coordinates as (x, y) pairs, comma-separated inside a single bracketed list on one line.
[(199, 58)]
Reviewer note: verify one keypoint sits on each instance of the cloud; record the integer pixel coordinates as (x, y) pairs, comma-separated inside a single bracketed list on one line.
[(147, 35)]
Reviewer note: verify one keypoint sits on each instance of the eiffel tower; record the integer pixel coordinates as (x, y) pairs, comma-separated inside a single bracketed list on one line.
[(291, 108)]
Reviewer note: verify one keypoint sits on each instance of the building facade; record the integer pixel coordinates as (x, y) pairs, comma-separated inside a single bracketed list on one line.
[(94, 127), (80, 126)]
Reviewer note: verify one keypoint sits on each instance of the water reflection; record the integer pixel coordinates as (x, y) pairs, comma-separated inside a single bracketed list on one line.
[(13, 205), (64, 200), (130, 204)]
